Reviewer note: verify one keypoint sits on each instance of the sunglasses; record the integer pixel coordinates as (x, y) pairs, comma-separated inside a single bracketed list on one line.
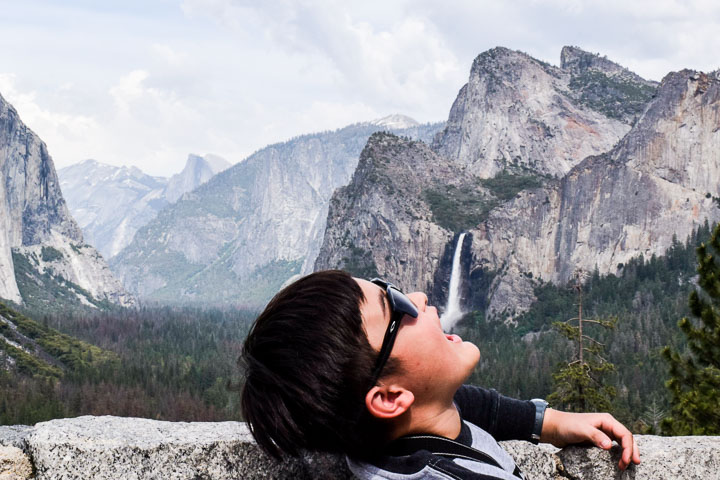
[(400, 305)]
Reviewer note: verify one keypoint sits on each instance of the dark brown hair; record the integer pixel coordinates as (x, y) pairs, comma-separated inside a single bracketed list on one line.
[(308, 365)]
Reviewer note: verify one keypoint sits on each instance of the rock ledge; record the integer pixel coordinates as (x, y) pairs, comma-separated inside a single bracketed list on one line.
[(136, 448)]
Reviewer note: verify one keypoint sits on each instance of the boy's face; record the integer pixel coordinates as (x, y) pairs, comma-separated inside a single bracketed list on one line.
[(433, 364)]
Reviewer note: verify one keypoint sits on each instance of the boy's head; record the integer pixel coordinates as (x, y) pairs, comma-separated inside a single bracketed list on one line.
[(309, 363)]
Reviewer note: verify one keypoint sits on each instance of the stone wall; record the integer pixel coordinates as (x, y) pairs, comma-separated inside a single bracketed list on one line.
[(135, 448)]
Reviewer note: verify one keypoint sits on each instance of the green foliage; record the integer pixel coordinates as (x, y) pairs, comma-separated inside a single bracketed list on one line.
[(172, 363), (505, 185), (694, 382), (647, 295), (578, 388), (613, 96), (580, 384), (464, 207), (70, 352), (28, 364), (359, 263), (51, 254), (459, 209)]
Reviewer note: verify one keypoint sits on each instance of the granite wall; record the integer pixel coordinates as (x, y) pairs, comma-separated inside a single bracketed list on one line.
[(135, 448)]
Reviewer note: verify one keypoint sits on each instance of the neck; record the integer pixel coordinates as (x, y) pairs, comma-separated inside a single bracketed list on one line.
[(441, 420)]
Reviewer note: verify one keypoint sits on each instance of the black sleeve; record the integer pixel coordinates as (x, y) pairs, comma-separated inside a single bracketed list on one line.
[(502, 417)]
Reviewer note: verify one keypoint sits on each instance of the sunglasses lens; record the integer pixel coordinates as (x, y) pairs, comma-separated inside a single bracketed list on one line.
[(401, 303)]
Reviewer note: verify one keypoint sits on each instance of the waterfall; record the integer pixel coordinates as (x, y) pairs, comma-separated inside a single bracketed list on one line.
[(452, 310)]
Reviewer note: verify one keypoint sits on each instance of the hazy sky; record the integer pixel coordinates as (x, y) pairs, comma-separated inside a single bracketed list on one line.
[(145, 82)]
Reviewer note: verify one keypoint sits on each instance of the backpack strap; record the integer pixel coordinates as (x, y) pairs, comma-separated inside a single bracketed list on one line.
[(443, 447)]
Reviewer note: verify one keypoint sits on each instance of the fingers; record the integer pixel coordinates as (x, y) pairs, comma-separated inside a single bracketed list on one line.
[(600, 439), (624, 437)]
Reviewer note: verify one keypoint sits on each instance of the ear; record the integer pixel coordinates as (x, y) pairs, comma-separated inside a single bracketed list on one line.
[(388, 401)]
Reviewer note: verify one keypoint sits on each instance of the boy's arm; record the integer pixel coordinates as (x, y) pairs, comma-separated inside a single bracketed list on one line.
[(509, 419), (502, 417), (564, 428)]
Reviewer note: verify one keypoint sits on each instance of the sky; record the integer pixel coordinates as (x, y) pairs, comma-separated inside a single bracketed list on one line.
[(147, 82)]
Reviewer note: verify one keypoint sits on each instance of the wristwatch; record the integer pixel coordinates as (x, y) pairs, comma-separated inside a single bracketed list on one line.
[(540, 406)]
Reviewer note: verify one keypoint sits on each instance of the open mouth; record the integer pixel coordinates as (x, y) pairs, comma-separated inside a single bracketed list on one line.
[(453, 338)]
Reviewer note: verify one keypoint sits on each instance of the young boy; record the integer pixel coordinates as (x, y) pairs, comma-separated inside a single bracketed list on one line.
[(346, 365)]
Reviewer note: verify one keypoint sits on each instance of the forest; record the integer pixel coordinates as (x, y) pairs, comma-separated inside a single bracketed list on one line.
[(181, 363)]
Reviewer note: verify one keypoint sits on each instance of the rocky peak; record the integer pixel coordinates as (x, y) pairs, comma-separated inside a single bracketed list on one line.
[(395, 121), (578, 61), (519, 113), (382, 221), (197, 171)]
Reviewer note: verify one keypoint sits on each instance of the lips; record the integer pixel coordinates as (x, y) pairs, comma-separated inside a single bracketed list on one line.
[(453, 338)]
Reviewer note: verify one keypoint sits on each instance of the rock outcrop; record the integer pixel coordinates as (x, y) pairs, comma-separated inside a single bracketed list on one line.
[(520, 113), (33, 216), (113, 447)]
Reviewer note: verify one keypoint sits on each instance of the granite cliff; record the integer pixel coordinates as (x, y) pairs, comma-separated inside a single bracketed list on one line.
[(660, 181), (382, 221), (520, 113), (40, 243), (564, 199)]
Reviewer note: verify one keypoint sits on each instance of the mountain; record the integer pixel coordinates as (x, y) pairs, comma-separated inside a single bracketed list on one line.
[(519, 113), (197, 171), (661, 181), (111, 203), (528, 223), (395, 122), (382, 222), (238, 237), (40, 243)]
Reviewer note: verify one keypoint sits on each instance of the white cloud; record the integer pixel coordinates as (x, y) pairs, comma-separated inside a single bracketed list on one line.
[(59, 130), (147, 85), (404, 64)]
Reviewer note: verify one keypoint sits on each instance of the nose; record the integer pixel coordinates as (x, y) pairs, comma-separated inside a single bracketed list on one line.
[(419, 299)]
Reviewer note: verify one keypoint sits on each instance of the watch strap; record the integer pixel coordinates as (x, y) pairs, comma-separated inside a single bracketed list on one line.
[(540, 407)]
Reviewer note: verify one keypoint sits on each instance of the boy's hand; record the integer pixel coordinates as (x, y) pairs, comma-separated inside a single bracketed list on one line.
[(564, 428)]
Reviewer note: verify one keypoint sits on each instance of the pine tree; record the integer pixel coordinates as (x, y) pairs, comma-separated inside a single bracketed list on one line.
[(695, 377), (579, 385)]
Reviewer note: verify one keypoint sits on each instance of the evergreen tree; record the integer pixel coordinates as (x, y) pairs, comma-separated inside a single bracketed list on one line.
[(579, 386), (695, 378)]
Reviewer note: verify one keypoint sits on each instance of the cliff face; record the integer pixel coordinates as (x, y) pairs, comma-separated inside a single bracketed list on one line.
[(250, 228), (382, 222), (517, 112), (659, 181), (33, 214)]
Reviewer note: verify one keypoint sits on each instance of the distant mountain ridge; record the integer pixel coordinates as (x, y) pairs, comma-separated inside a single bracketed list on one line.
[(238, 237), (40, 243), (110, 203)]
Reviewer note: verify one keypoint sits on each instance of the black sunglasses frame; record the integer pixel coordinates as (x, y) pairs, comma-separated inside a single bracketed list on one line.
[(400, 305)]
